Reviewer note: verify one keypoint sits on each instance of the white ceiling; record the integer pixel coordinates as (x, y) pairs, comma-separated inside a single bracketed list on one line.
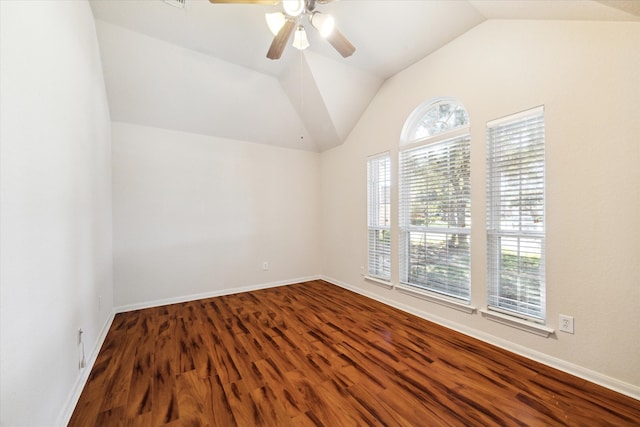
[(203, 69)]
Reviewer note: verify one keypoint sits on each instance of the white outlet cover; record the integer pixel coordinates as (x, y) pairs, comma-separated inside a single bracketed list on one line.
[(566, 324)]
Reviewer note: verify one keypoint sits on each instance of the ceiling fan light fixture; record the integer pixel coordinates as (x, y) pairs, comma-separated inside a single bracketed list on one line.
[(300, 38), (293, 7), (323, 23), (275, 21)]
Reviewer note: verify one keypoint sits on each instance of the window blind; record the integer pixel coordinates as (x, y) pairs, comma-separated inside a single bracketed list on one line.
[(435, 201), (515, 215), (378, 216)]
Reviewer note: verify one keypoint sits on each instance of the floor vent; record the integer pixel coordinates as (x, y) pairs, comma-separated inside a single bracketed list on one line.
[(176, 3)]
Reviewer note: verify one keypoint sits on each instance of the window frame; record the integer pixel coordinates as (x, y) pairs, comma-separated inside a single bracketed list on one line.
[(440, 139), (533, 163), (376, 183)]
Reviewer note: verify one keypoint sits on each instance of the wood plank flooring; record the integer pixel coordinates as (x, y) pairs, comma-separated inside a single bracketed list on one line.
[(313, 354)]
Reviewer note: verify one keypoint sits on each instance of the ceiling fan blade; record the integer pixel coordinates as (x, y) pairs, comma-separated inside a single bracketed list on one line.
[(340, 43), (246, 1), (280, 41)]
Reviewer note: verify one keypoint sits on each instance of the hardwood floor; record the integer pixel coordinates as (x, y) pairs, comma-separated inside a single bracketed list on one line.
[(313, 354)]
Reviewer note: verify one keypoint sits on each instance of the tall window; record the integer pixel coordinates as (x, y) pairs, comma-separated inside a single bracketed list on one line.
[(435, 200), (379, 210), (515, 214)]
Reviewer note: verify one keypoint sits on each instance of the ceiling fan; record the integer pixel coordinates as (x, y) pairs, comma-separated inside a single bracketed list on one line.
[(283, 24)]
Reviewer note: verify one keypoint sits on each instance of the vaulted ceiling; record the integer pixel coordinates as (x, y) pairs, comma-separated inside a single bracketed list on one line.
[(203, 69)]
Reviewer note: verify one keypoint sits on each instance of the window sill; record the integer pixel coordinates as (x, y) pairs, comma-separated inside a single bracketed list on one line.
[(437, 299), (380, 282), (521, 324)]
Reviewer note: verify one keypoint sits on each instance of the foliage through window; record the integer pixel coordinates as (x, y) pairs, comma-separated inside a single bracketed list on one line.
[(515, 214), (379, 211), (434, 118), (435, 200)]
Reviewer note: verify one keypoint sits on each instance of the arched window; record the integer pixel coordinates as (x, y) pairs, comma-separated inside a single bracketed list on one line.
[(433, 118), (435, 200)]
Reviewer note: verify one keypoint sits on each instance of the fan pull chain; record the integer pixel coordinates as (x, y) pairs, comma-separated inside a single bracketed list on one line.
[(301, 97)]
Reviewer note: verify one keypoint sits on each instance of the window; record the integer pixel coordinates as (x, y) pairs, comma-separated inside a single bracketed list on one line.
[(379, 210), (435, 200), (515, 215)]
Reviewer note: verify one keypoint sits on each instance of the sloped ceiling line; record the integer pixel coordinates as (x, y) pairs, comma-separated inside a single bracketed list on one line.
[(328, 95)]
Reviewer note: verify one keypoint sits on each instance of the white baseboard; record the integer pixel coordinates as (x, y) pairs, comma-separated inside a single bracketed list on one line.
[(570, 368), (193, 297), (81, 380)]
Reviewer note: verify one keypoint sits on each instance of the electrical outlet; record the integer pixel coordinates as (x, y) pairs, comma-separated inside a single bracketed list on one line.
[(362, 270), (265, 265), (566, 324), (99, 303)]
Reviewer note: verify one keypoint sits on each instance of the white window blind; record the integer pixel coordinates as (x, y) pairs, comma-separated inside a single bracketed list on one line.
[(516, 215), (435, 218), (379, 211)]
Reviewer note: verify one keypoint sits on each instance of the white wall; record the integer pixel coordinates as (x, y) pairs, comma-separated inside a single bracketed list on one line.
[(586, 75), (197, 215), (55, 188)]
